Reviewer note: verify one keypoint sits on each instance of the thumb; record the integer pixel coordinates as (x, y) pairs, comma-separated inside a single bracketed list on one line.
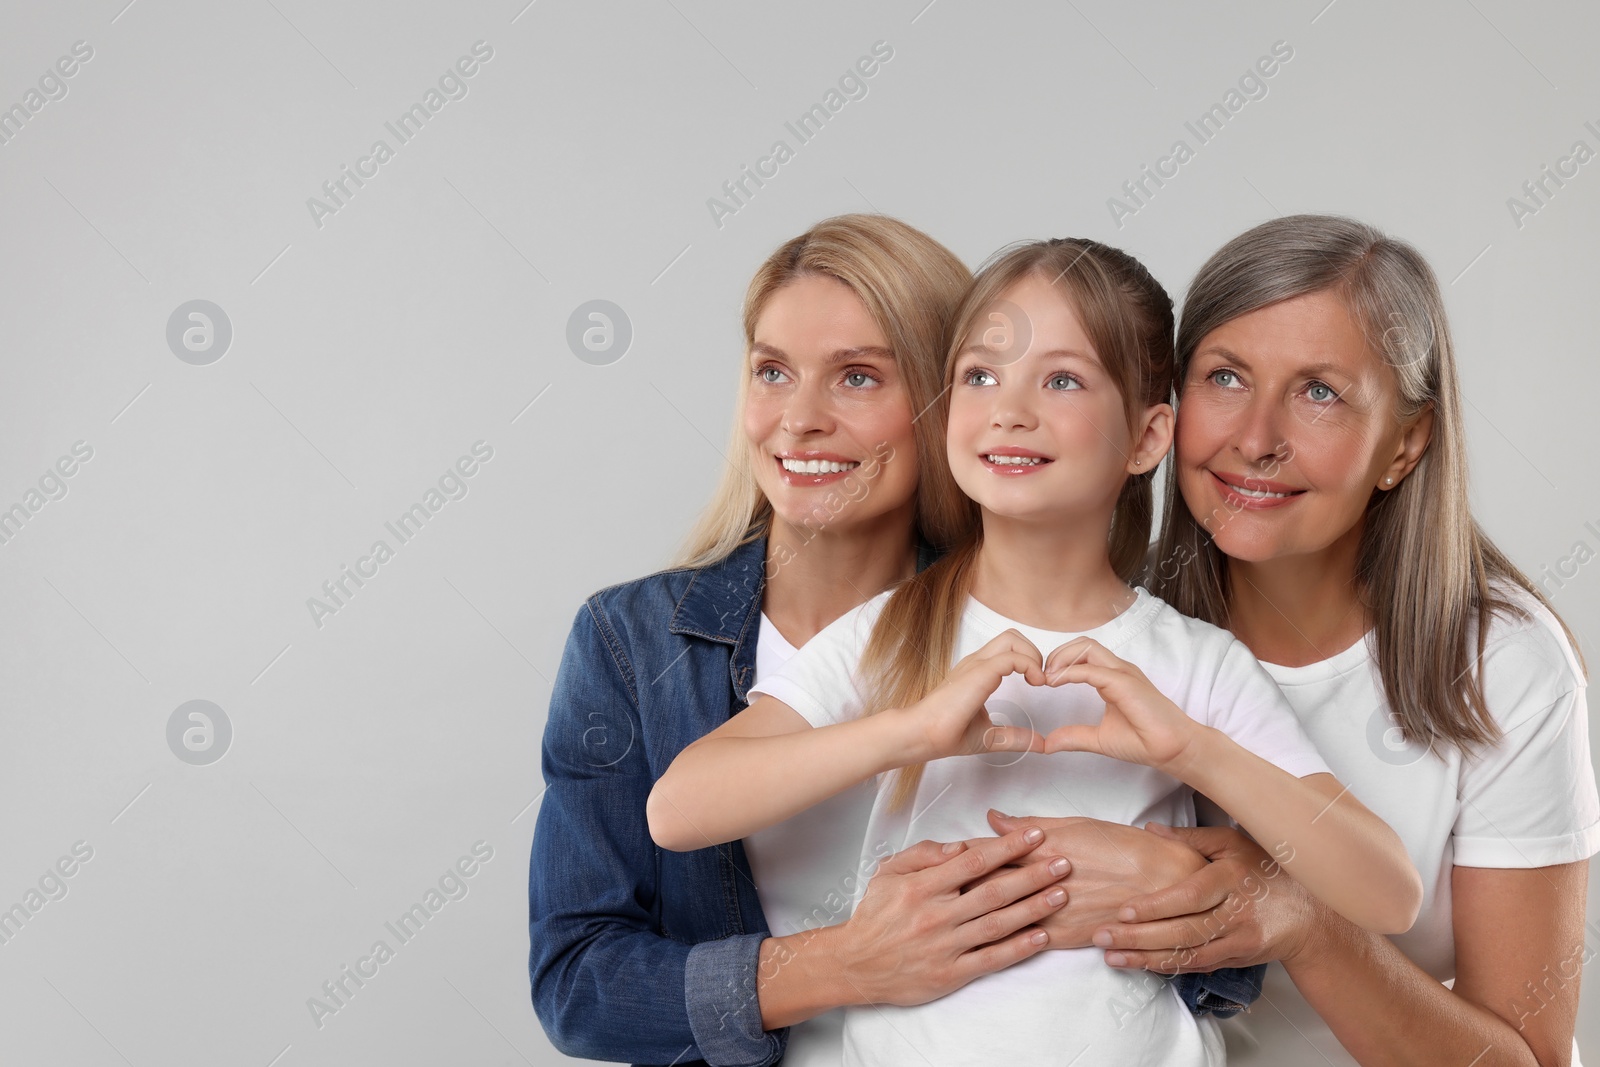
[(920, 857), (1210, 841), (1077, 737), (1003, 823)]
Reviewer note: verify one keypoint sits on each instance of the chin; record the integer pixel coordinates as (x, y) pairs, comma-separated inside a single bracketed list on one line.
[(1251, 546)]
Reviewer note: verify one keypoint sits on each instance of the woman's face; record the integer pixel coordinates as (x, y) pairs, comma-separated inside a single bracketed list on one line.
[(1286, 426), (1042, 433), (828, 416)]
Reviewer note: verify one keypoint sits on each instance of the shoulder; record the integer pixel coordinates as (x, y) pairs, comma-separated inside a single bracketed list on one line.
[(855, 626), (631, 618), (1198, 637), (1528, 662), (644, 596)]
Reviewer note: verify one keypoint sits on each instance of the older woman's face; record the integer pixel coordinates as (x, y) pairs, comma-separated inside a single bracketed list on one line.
[(828, 416), (1286, 427)]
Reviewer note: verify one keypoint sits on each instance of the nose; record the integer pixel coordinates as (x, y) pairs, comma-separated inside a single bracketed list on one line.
[(1012, 411), (1260, 435), (808, 411)]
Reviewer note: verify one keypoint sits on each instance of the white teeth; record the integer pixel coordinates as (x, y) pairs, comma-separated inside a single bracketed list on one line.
[(1014, 461), (815, 466), (1258, 494)]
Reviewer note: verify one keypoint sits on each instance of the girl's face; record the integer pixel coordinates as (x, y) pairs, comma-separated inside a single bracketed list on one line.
[(1038, 430), (1287, 428), (828, 416)]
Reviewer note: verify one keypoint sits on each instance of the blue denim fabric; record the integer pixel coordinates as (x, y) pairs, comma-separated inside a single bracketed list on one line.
[(637, 953)]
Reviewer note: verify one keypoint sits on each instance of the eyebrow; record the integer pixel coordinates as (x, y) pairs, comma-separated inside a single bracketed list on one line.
[(842, 355), (1230, 356), (981, 350)]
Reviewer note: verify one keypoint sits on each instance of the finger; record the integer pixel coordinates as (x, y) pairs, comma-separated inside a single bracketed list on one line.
[(1207, 957), (1014, 661), (920, 856), (982, 855), (996, 925), (1003, 823), (1200, 892), (990, 958), (1166, 934), (1083, 650), (1076, 737), (1010, 640), (1011, 739), (1007, 888), (1209, 841), (1097, 675)]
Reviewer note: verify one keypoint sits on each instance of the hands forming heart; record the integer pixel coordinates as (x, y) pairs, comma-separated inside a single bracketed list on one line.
[(1140, 725)]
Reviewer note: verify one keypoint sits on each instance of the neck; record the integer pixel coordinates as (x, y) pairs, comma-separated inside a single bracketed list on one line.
[(1054, 575), (1296, 610), (816, 575)]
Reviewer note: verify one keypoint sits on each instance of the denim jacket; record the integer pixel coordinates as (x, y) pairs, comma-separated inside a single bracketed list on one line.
[(638, 953)]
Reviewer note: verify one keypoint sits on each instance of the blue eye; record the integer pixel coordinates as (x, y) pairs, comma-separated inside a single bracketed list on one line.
[(975, 372), (1225, 378), (860, 374), (1072, 383), (1327, 392), (761, 373)]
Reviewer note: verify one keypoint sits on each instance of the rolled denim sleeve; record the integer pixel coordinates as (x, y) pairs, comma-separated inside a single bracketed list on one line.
[(607, 983), (724, 1011), (1223, 992)]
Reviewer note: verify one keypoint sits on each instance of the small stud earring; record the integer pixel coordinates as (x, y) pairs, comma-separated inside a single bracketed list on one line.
[(1388, 481)]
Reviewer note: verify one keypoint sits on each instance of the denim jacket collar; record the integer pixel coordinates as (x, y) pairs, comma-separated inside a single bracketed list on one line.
[(723, 603)]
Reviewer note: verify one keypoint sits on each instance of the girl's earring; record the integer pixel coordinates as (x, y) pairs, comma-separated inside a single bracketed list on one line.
[(1388, 481)]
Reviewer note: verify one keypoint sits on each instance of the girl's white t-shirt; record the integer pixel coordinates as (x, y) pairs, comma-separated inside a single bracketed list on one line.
[(805, 872), (1063, 1006), (1527, 801)]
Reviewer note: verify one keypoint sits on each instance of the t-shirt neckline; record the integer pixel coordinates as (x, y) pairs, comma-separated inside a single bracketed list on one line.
[(1111, 633), (1341, 662)]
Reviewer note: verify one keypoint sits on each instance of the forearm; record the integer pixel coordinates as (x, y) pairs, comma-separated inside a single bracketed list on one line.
[(1334, 846), (1386, 1010), (801, 976), (722, 788)]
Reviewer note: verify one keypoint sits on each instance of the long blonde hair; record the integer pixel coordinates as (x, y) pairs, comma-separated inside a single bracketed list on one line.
[(910, 285), (1425, 569), (1127, 316)]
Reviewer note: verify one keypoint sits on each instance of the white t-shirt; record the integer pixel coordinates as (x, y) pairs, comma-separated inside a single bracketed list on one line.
[(1061, 1006), (1529, 801), (805, 872)]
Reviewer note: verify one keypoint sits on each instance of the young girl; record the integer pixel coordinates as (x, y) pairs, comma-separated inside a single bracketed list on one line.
[(1058, 376)]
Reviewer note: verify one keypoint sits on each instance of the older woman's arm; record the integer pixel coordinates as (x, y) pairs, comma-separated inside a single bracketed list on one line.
[(1519, 955)]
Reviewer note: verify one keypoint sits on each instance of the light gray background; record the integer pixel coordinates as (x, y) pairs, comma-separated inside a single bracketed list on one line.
[(430, 312)]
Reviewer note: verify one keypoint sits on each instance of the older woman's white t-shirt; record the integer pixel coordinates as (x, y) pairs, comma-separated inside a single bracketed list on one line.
[(1528, 801)]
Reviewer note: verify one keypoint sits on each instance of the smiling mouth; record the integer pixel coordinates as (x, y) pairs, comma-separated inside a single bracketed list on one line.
[(1014, 461), (816, 466), (1254, 493)]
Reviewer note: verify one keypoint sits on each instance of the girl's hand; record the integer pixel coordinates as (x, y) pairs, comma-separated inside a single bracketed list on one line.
[(1140, 725), (1111, 863), (952, 719)]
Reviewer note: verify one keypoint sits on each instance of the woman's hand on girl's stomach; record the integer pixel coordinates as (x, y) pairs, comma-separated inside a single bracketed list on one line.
[(1239, 909), (1111, 863), (952, 719), (1140, 725), (917, 934)]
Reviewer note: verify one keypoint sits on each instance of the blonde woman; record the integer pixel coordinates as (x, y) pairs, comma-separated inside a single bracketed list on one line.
[(1318, 508), (834, 491)]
